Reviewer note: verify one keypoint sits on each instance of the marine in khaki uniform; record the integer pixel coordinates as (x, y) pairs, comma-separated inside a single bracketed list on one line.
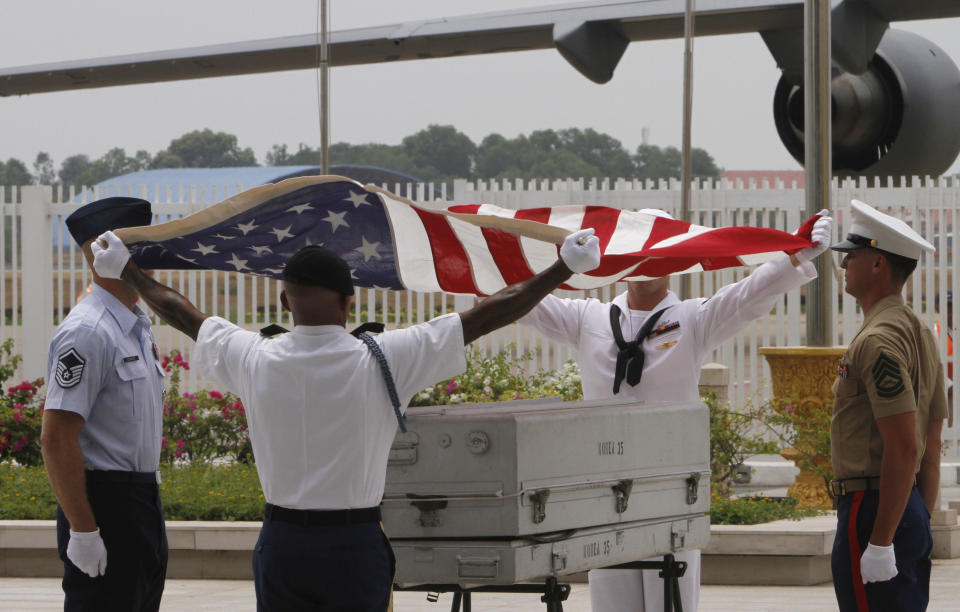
[(888, 412)]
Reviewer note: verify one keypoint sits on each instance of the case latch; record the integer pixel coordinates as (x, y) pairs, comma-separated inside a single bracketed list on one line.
[(429, 510), (693, 488), (539, 499), (622, 492)]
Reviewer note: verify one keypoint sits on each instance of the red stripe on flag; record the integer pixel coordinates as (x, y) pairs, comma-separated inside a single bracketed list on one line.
[(859, 589), (665, 228), (603, 220), (449, 257)]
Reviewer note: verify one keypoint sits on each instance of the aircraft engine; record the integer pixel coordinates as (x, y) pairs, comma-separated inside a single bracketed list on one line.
[(899, 118)]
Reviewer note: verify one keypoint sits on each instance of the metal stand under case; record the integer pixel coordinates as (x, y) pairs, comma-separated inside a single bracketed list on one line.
[(554, 593)]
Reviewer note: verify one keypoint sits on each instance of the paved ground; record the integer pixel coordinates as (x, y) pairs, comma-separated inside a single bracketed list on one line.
[(32, 594)]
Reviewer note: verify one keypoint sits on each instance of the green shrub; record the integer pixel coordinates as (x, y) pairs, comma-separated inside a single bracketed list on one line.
[(501, 378), (754, 510), (731, 442), (198, 492)]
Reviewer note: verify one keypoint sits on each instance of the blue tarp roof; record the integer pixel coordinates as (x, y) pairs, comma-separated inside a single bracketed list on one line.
[(215, 184)]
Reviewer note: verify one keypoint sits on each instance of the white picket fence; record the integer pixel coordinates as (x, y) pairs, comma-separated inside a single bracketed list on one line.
[(32, 304)]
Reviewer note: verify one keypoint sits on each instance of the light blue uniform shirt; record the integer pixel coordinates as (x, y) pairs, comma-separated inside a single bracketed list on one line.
[(102, 366)]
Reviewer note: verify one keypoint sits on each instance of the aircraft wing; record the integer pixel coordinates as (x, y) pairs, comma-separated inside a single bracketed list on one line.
[(579, 30)]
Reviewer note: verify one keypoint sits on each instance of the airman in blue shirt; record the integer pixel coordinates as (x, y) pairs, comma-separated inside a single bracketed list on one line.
[(102, 434)]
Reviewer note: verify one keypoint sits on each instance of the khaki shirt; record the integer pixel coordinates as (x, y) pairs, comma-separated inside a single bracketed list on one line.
[(891, 367)]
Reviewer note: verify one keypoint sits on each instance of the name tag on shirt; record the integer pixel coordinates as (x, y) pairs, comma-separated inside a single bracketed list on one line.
[(131, 358)]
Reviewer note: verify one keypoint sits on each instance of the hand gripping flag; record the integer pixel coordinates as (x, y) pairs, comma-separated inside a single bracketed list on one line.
[(390, 243)]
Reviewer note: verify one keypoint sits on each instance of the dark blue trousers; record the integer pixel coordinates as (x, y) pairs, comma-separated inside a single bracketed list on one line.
[(335, 568), (131, 525), (909, 590)]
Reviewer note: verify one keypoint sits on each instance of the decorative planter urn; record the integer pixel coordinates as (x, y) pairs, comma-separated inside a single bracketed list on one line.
[(803, 379)]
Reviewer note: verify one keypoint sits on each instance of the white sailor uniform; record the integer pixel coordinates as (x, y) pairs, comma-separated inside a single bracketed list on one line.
[(673, 354)]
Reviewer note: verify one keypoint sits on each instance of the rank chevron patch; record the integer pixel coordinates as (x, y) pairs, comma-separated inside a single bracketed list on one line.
[(886, 376), (69, 369)]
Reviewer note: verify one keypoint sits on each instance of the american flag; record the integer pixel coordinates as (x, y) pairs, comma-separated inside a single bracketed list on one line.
[(390, 243)]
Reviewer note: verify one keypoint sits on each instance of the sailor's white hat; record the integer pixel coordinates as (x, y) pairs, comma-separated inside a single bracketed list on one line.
[(872, 228)]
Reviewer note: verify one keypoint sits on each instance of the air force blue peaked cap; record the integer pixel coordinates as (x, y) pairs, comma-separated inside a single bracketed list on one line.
[(91, 220)]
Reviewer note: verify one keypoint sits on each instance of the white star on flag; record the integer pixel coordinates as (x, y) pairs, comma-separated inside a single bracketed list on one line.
[(282, 233), (300, 208), (260, 250), (204, 250), (358, 199), (368, 249), (236, 262), (336, 220), (246, 228)]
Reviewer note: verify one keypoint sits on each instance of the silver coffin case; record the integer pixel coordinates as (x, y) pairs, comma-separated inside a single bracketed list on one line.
[(500, 562), (509, 469)]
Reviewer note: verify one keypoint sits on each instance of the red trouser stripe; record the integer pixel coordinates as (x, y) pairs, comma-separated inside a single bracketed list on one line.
[(859, 589)]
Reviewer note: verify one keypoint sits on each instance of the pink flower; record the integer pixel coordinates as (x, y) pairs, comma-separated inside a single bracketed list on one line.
[(192, 417), (215, 394), (451, 387), (17, 416), (788, 408), (180, 446), (163, 441), (188, 395)]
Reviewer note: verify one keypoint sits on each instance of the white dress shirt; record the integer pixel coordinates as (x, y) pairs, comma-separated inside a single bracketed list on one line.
[(672, 359), (320, 418)]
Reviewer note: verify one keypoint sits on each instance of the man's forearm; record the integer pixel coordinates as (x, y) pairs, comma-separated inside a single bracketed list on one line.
[(169, 305), (896, 481), (511, 303), (928, 478), (63, 460)]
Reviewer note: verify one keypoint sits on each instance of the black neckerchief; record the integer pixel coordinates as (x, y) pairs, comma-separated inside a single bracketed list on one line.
[(630, 355)]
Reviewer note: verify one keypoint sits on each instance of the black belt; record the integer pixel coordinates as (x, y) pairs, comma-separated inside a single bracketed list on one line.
[(849, 485), (323, 517), (118, 477)]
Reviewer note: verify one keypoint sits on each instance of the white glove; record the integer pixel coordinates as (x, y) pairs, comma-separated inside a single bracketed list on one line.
[(86, 550), (820, 237), (581, 251), (109, 262), (878, 564)]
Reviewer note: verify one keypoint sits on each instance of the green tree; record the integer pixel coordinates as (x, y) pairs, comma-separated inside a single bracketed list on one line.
[(73, 168), (443, 149), (43, 169), (206, 149), (498, 157), (14, 173), (602, 151), (702, 164)]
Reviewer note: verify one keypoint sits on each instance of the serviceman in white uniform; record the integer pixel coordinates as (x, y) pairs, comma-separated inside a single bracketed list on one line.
[(321, 417), (669, 357)]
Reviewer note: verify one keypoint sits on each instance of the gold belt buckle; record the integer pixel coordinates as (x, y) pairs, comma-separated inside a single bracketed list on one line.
[(838, 488)]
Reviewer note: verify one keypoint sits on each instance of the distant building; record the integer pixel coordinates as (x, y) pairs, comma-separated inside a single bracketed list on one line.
[(788, 177)]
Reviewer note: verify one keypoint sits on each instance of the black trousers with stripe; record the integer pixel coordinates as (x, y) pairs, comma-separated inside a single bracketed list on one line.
[(330, 568), (131, 525), (909, 590)]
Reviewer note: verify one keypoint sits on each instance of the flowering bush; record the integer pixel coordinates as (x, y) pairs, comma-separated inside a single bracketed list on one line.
[(21, 413), (201, 426), (804, 427), (501, 378)]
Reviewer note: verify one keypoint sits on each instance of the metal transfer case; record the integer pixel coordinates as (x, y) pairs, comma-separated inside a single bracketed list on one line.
[(470, 563), (513, 469)]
